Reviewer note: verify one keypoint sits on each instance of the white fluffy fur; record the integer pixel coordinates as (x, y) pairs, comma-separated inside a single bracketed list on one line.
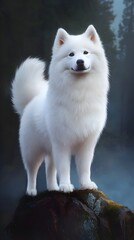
[(65, 117)]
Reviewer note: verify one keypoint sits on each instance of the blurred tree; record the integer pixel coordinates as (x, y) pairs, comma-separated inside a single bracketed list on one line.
[(21, 35), (126, 35)]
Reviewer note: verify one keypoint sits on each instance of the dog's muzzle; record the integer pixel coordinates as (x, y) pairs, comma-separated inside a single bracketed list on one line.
[(80, 65)]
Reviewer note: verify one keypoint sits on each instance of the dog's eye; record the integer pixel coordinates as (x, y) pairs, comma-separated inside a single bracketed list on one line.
[(71, 54), (85, 52)]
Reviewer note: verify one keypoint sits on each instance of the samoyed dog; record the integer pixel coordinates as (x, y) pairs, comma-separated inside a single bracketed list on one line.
[(65, 115)]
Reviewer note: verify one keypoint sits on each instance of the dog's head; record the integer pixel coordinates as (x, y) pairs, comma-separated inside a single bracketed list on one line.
[(77, 53)]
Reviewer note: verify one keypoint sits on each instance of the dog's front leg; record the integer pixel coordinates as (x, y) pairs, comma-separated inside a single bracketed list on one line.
[(61, 156), (84, 157)]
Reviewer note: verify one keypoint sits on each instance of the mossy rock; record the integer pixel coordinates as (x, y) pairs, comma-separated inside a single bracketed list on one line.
[(80, 215)]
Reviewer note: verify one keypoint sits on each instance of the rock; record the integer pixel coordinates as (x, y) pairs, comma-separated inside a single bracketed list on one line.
[(80, 215)]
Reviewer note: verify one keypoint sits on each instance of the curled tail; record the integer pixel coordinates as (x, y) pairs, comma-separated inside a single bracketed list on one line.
[(28, 83)]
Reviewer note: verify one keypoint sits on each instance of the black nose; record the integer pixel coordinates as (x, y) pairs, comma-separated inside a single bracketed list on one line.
[(80, 62)]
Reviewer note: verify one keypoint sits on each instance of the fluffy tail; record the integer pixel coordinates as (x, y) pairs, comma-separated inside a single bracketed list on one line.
[(28, 83)]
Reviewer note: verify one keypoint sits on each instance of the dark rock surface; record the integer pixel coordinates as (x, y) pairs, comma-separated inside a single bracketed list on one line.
[(80, 215)]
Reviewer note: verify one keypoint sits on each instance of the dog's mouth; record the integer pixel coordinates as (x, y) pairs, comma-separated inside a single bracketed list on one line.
[(80, 69)]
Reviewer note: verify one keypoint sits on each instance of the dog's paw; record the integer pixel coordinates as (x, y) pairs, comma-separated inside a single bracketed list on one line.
[(53, 188), (66, 187), (31, 192), (89, 185)]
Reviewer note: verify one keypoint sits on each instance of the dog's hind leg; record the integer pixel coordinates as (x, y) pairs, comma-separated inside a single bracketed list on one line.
[(32, 168)]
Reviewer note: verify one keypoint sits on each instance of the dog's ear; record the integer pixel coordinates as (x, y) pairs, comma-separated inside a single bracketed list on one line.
[(60, 38), (91, 33)]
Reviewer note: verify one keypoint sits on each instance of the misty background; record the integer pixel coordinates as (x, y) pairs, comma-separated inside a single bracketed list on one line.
[(28, 28)]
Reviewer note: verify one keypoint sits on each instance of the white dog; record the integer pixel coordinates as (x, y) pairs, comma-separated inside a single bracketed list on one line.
[(66, 115)]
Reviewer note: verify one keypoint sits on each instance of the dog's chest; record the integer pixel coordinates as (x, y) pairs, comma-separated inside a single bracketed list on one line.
[(75, 114), (77, 119)]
